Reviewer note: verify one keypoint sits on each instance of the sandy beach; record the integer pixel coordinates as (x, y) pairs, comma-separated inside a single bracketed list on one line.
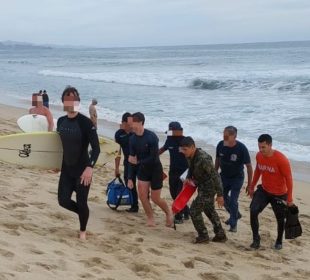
[(38, 238)]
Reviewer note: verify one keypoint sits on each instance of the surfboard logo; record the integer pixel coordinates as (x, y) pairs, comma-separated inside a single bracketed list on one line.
[(26, 151)]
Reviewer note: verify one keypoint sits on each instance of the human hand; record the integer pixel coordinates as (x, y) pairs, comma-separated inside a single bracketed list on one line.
[(130, 184), (133, 159), (220, 201), (249, 191), (86, 176)]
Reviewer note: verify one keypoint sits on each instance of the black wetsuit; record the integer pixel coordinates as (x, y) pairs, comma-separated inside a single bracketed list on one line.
[(149, 167), (122, 138), (76, 134)]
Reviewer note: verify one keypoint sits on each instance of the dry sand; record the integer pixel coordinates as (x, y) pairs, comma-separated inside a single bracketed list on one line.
[(38, 238)]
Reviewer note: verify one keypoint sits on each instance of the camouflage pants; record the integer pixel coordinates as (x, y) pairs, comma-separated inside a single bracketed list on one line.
[(205, 203)]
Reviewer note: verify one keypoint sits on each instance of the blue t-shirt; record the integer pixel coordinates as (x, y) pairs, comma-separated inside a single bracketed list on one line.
[(178, 161), (232, 159)]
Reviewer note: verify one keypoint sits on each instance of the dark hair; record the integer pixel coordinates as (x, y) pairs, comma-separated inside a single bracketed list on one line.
[(232, 130), (138, 117), (125, 116), (265, 138), (187, 142), (69, 90)]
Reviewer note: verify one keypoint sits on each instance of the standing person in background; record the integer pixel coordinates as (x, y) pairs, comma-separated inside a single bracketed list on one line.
[(122, 138), (204, 176), (45, 99), (276, 188), (143, 154), (178, 165), (39, 109), (76, 133), (231, 156), (93, 112)]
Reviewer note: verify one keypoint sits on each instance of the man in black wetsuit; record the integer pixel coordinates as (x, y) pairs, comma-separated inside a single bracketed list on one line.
[(76, 133), (143, 153), (178, 165), (122, 138)]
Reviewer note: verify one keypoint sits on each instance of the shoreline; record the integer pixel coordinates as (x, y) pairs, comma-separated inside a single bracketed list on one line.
[(300, 169), (39, 239)]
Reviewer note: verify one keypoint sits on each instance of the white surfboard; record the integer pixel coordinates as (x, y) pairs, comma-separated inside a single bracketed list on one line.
[(44, 150), (34, 123), (38, 149)]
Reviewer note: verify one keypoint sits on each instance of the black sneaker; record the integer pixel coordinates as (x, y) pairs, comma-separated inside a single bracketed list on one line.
[(221, 238), (178, 221), (233, 229), (277, 246), (255, 244), (133, 210), (186, 217), (201, 239)]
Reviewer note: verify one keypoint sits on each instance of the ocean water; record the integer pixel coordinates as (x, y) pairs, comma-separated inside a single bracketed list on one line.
[(259, 88)]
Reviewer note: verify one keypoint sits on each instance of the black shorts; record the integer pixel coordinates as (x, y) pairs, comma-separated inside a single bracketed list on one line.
[(151, 173)]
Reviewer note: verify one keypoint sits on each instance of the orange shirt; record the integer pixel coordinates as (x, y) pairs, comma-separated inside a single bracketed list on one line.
[(276, 174)]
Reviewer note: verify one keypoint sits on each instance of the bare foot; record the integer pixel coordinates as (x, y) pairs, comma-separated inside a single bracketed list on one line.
[(150, 222), (83, 235), (169, 221)]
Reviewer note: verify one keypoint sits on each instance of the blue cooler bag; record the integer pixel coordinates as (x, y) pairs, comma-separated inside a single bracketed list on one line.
[(118, 194)]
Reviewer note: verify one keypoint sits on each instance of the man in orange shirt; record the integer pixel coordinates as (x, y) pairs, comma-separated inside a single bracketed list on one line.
[(276, 187)]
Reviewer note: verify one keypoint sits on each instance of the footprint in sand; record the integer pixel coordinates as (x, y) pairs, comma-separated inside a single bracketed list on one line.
[(39, 205), (154, 251), (22, 268), (218, 276), (12, 206), (86, 275), (204, 260), (96, 261), (6, 253), (144, 270), (189, 264), (6, 276)]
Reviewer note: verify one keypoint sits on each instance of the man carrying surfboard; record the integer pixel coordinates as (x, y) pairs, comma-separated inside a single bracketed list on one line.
[(76, 133), (206, 179), (39, 109)]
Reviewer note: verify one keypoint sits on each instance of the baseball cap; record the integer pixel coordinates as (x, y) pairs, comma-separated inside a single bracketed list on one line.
[(175, 126)]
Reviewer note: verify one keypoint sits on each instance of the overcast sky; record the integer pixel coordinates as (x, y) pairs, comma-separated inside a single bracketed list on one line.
[(108, 23)]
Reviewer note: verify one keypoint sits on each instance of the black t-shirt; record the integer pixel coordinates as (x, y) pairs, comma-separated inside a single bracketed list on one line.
[(232, 159), (76, 134), (178, 161), (145, 147), (122, 138)]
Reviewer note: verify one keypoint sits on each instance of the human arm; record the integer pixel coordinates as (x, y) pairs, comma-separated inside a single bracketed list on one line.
[(49, 118), (285, 170), (117, 163), (251, 187)]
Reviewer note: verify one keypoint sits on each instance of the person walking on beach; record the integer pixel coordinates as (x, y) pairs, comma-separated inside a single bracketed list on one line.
[(122, 138), (93, 111), (277, 188), (76, 133), (39, 109), (45, 99), (143, 154), (231, 156), (204, 176), (178, 165)]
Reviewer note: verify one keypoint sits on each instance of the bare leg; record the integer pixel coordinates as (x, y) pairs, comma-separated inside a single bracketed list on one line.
[(83, 235), (143, 189), (155, 195)]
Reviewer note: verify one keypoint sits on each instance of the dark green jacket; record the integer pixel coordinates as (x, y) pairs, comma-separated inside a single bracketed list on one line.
[(204, 175)]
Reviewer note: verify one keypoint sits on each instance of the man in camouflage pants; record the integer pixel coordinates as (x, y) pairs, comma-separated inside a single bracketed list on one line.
[(203, 174)]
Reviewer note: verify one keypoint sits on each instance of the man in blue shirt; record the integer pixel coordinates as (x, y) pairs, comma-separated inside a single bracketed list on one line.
[(122, 138), (143, 154), (231, 156), (178, 165)]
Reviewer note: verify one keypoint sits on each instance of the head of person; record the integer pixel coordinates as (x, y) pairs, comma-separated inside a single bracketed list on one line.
[(44, 92), (188, 147), (138, 120), (174, 129), (40, 91), (126, 121), (71, 99), (229, 135), (265, 144), (37, 100), (94, 101)]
